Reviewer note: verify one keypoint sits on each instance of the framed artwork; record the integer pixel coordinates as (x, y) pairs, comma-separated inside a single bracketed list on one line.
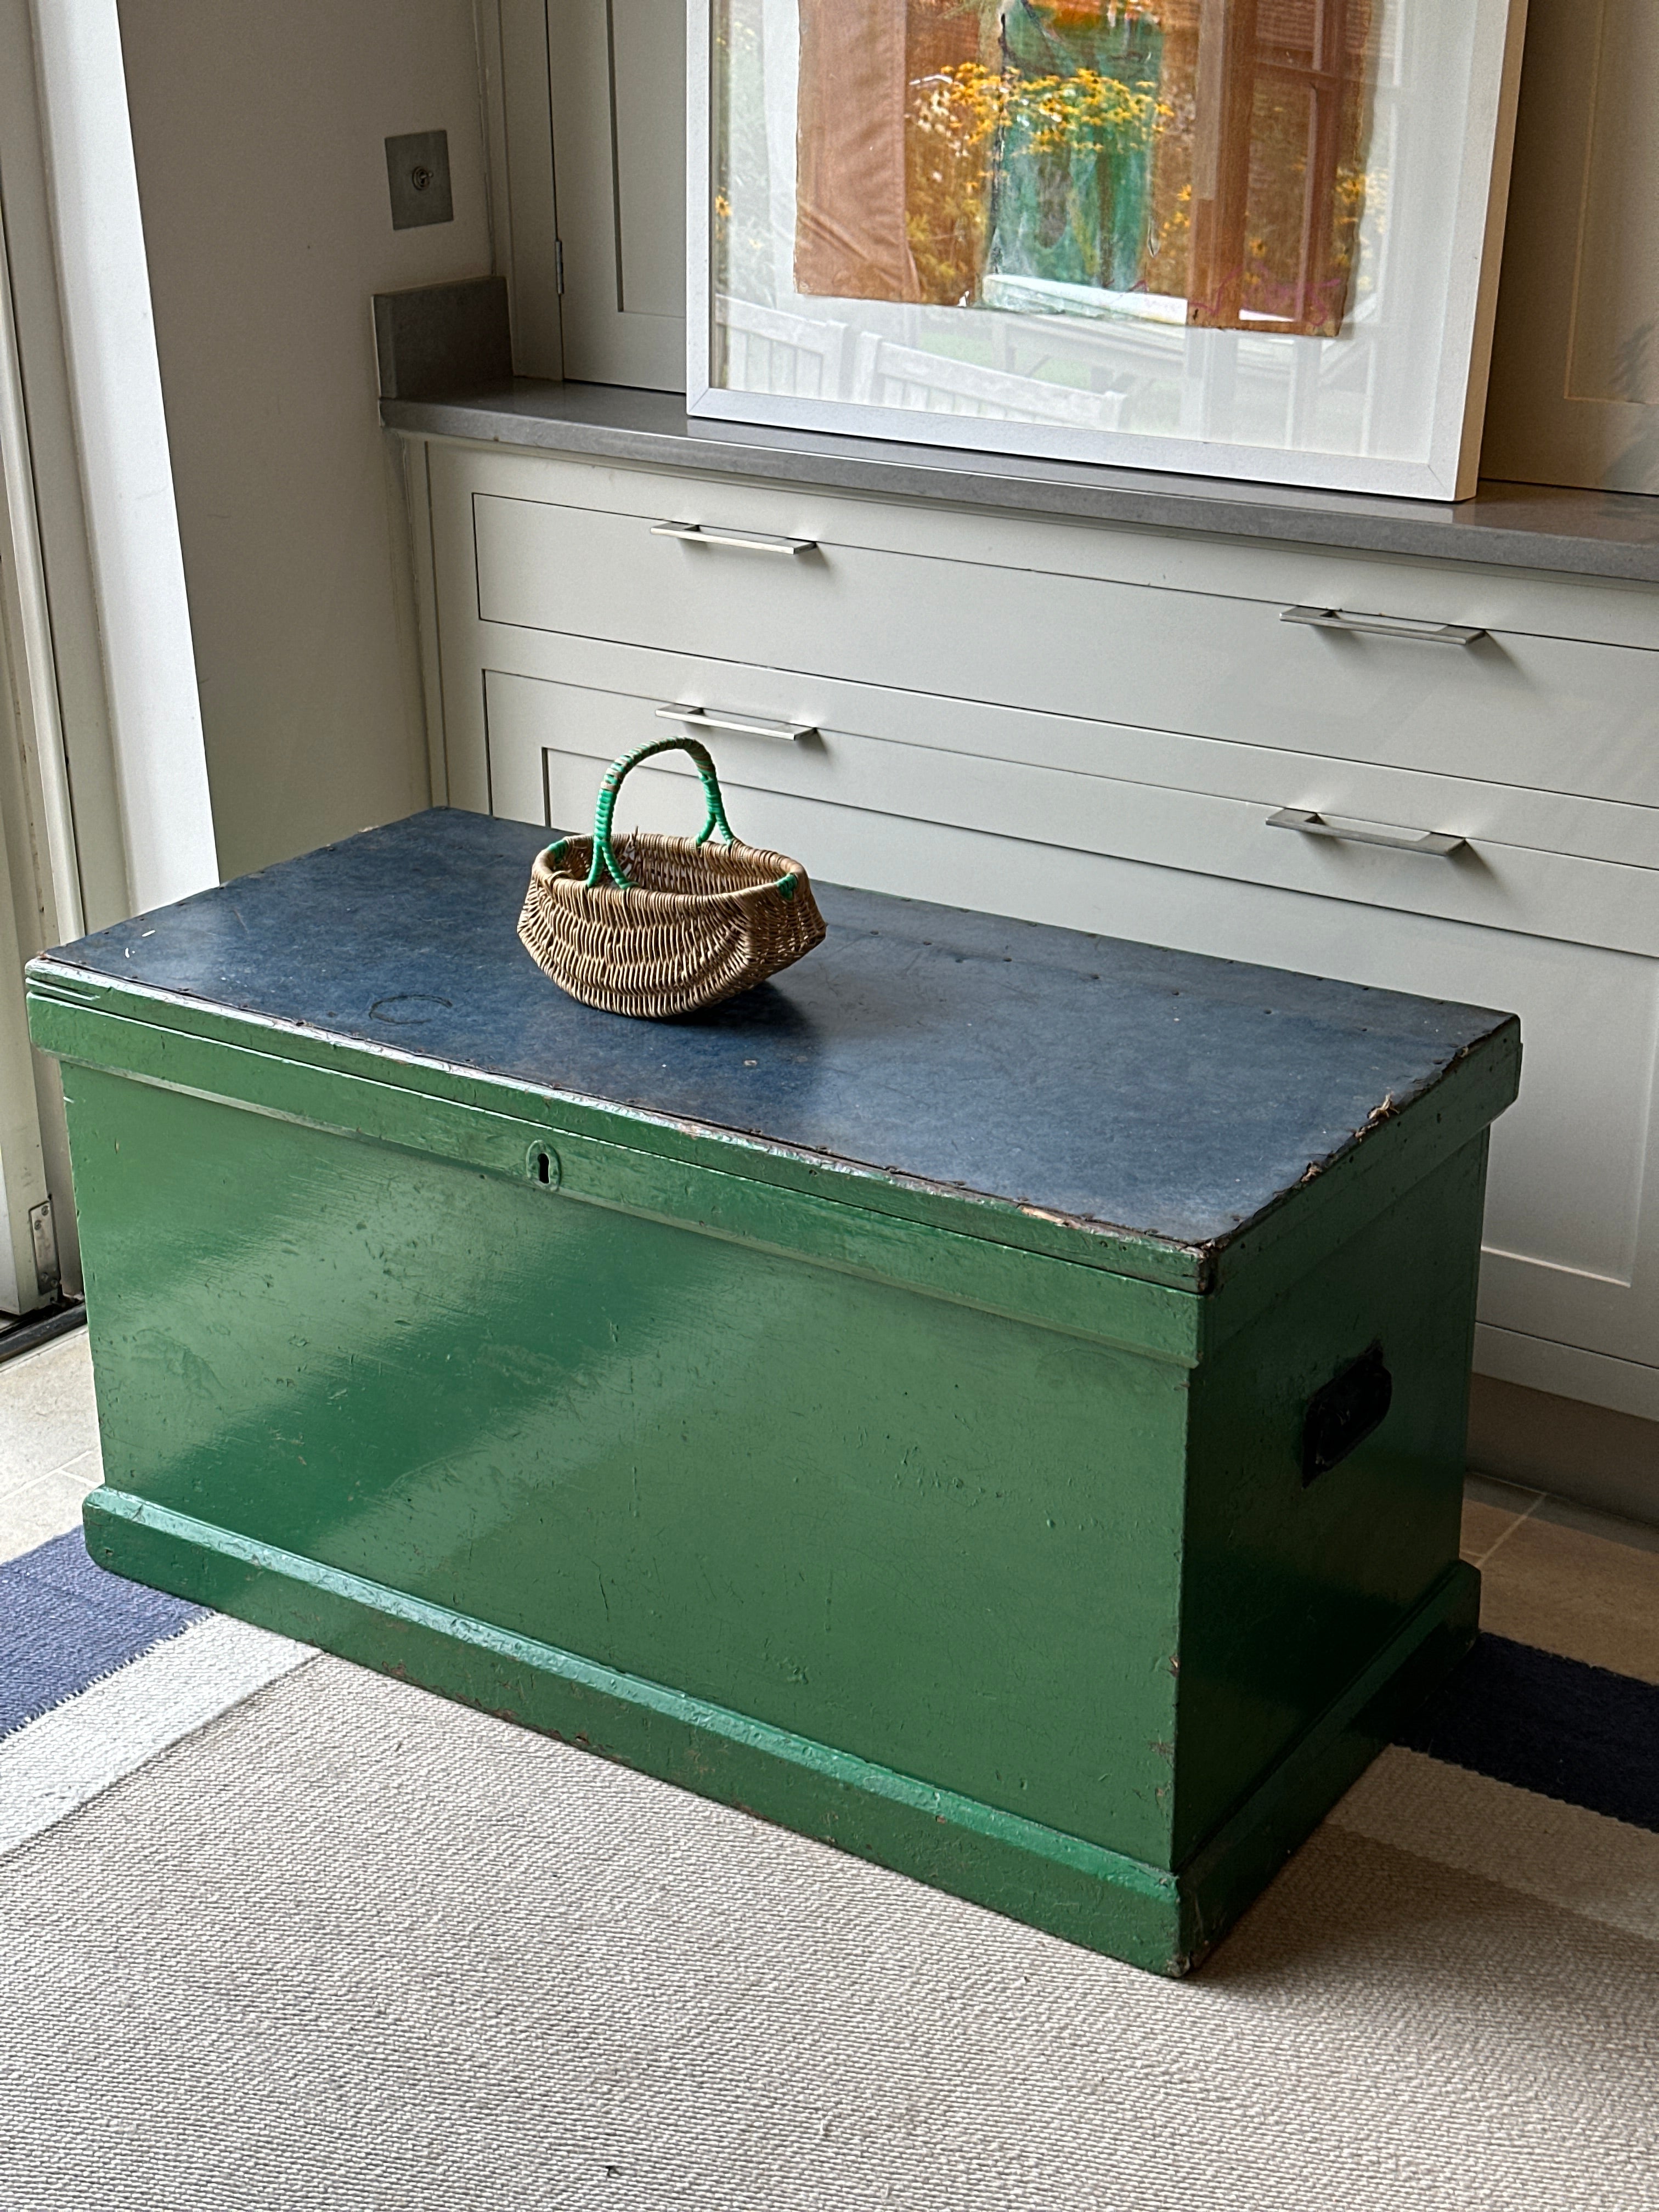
[(1244, 238)]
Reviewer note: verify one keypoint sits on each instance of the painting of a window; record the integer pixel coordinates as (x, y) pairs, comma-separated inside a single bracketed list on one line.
[(1198, 158), (1250, 236)]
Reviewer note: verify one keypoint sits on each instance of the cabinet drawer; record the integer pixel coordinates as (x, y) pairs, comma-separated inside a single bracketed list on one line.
[(876, 761), (1508, 814), (1524, 709)]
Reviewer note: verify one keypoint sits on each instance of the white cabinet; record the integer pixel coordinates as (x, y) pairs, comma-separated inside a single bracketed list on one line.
[(1092, 726)]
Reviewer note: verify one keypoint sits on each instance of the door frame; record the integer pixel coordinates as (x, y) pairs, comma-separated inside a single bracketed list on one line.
[(103, 773)]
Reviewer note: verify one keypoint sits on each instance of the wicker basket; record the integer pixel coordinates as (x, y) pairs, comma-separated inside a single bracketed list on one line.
[(679, 925)]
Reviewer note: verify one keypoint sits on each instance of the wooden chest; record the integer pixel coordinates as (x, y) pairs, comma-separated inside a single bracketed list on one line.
[(992, 1400)]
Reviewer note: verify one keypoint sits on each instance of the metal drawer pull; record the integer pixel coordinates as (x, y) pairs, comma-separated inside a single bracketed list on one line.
[(746, 541), (1315, 825), (1383, 625), (701, 717)]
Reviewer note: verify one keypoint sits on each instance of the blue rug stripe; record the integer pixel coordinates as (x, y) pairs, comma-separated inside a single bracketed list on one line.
[(65, 1623), (1554, 1726)]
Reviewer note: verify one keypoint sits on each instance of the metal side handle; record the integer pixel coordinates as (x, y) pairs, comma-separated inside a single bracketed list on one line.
[(745, 726), (1315, 825), (744, 541), (1383, 625)]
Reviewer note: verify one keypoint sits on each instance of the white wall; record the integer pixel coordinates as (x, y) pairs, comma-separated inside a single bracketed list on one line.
[(259, 132), (132, 530)]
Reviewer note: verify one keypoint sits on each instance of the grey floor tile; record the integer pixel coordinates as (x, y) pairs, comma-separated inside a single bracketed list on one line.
[(35, 1512), (1608, 1526), (47, 1416), (1486, 1490), (1565, 1590)]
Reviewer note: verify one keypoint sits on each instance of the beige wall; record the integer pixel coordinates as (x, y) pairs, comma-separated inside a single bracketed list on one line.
[(259, 132)]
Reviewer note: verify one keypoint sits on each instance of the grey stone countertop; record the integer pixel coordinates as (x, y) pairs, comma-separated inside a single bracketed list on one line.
[(1512, 525)]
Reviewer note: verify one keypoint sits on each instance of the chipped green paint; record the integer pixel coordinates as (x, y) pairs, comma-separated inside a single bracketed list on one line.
[(977, 1557)]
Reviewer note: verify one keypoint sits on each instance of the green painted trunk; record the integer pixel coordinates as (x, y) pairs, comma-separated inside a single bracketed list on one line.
[(960, 1534)]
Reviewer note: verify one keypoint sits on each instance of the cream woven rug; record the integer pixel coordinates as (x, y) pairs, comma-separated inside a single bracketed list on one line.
[(277, 1936), (351, 1947)]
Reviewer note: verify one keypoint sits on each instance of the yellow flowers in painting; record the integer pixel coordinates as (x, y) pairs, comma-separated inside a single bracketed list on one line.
[(1204, 158)]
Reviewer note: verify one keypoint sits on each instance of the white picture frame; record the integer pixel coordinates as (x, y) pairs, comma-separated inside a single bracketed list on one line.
[(1426, 388)]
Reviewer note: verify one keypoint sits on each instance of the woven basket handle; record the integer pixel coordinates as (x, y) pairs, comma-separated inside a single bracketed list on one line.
[(605, 858)]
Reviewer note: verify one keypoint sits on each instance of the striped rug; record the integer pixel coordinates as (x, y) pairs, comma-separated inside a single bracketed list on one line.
[(97, 1675), (276, 1933)]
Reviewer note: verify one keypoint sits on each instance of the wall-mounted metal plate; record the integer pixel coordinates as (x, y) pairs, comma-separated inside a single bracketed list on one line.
[(417, 170), (44, 1236)]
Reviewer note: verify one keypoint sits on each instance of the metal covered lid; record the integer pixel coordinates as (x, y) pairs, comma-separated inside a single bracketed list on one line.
[(1085, 1080)]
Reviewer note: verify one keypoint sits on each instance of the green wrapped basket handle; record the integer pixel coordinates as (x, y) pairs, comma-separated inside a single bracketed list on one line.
[(605, 858)]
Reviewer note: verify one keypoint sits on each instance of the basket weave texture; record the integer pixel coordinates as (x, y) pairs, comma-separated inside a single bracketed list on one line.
[(697, 923)]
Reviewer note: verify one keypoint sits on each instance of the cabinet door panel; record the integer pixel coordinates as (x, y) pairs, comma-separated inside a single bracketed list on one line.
[(1575, 373), (618, 70)]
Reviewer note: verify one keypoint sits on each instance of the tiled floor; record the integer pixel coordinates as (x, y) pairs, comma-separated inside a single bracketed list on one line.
[(1579, 1583), (1571, 1582), (48, 1443)]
